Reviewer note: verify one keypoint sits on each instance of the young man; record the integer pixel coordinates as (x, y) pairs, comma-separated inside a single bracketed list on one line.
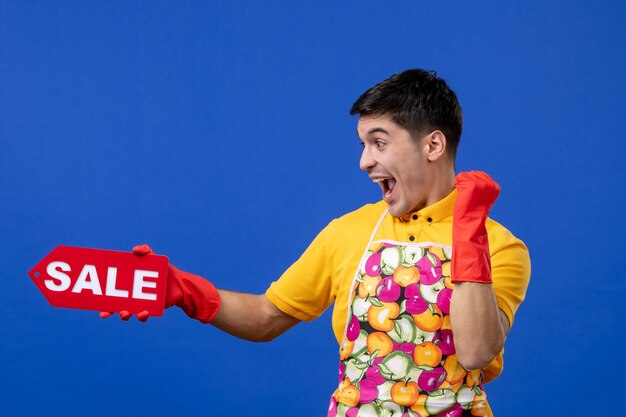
[(424, 285)]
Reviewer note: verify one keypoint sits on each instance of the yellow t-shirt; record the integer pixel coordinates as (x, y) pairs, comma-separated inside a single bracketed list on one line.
[(325, 271)]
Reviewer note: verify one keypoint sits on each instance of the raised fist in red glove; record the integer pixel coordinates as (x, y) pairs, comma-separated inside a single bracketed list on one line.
[(196, 296), (471, 260)]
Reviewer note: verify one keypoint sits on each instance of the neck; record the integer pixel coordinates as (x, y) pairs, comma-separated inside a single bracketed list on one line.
[(441, 185)]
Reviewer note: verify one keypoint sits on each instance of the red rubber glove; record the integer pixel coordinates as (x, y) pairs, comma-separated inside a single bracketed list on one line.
[(196, 296), (471, 260)]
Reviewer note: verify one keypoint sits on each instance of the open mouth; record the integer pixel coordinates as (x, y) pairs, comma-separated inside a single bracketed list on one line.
[(387, 185)]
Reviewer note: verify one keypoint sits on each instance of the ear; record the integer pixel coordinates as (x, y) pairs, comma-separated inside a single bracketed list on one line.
[(435, 145)]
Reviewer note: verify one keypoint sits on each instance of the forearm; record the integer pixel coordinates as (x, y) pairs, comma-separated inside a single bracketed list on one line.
[(251, 317), (478, 324)]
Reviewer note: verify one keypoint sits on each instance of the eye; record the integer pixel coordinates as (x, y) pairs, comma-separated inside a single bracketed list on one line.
[(361, 144), (379, 143)]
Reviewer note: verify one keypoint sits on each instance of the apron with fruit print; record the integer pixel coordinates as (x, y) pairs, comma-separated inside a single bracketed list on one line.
[(397, 358)]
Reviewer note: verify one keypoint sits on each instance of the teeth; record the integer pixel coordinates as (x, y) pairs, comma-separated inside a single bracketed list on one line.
[(387, 183)]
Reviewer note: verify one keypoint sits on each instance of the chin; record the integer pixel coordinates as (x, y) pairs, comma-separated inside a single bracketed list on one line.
[(396, 211)]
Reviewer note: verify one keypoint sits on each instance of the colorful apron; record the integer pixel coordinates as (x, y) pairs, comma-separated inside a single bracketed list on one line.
[(397, 358)]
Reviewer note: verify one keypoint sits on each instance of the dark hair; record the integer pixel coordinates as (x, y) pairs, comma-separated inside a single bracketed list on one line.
[(417, 100)]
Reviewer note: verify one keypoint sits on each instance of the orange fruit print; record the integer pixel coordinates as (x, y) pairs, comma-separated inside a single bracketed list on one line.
[(428, 354)]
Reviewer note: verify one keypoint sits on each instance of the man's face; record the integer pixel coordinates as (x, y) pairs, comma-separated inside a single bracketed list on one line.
[(396, 161)]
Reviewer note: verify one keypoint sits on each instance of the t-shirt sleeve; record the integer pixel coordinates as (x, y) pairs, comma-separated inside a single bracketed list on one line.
[(306, 289), (510, 270)]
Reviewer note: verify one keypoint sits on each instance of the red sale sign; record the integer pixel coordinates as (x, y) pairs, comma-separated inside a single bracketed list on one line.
[(102, 280)]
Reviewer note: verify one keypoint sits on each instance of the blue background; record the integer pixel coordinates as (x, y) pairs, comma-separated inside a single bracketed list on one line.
[(218, 132)]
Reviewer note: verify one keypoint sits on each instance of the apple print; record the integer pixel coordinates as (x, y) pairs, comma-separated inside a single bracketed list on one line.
[(355, 369), (445, 341), (342, 409), (412, 255), (360, 307), (397, 287), (455, 411), (430, 292), (360, 344), (439, 401), (465, 397), (431, 380), (395, 366), (370, 410), (415, 304), (407, 347), (405, 392), (373, 373), (332, 408), (390, 259), (372, 265), (353, 329), (388, 291), (430, 269), (391, 408), (353, 412), (414, 373), (369, 392), (384, 391), (381, 317), (443, 300), (404, 329)]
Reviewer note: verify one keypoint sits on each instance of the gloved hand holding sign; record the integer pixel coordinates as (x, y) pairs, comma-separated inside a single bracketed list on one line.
[(140, 283), (102, 280), (196, 296)]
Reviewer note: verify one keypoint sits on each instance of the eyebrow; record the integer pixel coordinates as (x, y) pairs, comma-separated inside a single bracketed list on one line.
[(373, 130)]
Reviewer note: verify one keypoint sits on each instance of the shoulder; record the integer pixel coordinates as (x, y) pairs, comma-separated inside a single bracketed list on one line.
[(351, 231), (363, 218), (507, 250), (500, 236)]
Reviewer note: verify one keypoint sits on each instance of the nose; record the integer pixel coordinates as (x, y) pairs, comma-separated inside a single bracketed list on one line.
[(367, 161)]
